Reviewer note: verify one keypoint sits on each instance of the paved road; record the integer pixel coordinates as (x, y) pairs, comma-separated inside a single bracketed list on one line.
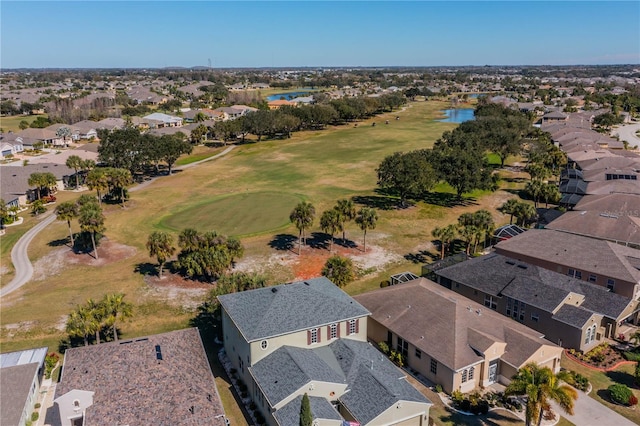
[(589, 412), (20, 258), (186, 166), (628, 133)]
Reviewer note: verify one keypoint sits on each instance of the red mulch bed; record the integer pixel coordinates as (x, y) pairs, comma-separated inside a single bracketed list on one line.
[(312, 260)]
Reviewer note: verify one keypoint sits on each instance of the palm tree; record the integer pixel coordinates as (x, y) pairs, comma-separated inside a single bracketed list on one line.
[(67, 211), (200, 117), (525, 213), (302, 217), (366, 219), (97, 179), (445, 235), (540, 385), (92, 220), (120, 178), (535, 189), (81, 324), (347, 210), (330, 222), (116, 308), (74, 162), (550, 194), (98, 315), (339, 270), (160, 245), (36, 179), (509, 207), (189, 240), (483, 220)]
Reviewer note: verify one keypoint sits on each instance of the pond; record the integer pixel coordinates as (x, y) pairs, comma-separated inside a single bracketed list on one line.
[(458, 115), (289, 95)]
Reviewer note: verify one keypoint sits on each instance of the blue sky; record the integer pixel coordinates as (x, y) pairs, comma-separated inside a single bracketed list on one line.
[(306, 33)]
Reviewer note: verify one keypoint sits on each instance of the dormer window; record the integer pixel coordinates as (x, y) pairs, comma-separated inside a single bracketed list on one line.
[(333, 331)]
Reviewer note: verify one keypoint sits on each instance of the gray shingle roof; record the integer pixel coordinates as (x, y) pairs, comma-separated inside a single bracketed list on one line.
[(15, 384), (131, 383), (287, 369), (283, 309), (575, 316), (320, 408), (373, 383), (500, 275)]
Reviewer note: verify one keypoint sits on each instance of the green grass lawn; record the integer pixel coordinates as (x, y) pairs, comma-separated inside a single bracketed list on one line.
[(602, 380), (320, 166), (244, 214), (199, 153), (12, 124)]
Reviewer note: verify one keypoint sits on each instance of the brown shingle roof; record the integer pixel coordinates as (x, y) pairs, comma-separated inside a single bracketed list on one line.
[(623, 229), (445, 324), (132, 384), (575, 251)]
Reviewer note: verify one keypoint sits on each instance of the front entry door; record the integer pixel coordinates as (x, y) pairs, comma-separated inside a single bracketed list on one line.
[(493, 371)]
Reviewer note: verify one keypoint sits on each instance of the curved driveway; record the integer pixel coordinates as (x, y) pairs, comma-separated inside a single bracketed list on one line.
[(20, 258), (628, 133)]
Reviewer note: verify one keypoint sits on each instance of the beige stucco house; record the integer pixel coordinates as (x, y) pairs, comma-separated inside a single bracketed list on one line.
[(311, 337), (452, 340)]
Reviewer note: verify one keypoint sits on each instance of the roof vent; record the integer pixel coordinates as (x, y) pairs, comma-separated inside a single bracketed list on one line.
[(306, 283), (274, 290), (522, 266), (510, 262), (158, 353), (479, 312)]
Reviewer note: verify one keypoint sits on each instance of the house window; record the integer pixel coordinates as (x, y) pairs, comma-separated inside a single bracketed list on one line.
[(434, 366), (353, 326), (403, 347), (575, 274), (521, 317), (590, 335), (418, 353), (264, 344), (534, 317), (314, 335), (464, 376), (471, 371), (509, 307), (333, 331), (490, 302), (610, 284), (592, 278)]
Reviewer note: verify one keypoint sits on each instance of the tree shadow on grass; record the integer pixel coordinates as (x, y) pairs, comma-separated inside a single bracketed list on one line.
[(319, 240), (346, 243), (283, 242), (423, 256), (146, 268), (377, 202), (445, 199), (60, 242), (492, 418), (621, 377)]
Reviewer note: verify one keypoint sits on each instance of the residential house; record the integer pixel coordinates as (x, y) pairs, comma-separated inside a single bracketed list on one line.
[(311, 337), (603, 263), (623, 230), (30, 137), (571, 312), (277, 104), (87, 129), (21, 375), (164, 379), (160, 120), (111, 123), (451, 340), (554, 116), (14, 181), (10, 144)]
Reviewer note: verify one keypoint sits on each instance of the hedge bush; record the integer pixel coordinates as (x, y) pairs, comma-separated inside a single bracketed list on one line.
[(620, 393)]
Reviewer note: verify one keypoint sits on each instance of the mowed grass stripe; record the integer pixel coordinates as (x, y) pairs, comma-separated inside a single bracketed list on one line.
[(236, 215)]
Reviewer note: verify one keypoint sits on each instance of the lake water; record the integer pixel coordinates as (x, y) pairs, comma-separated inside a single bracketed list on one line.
[(288, 96), (459, 115)]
